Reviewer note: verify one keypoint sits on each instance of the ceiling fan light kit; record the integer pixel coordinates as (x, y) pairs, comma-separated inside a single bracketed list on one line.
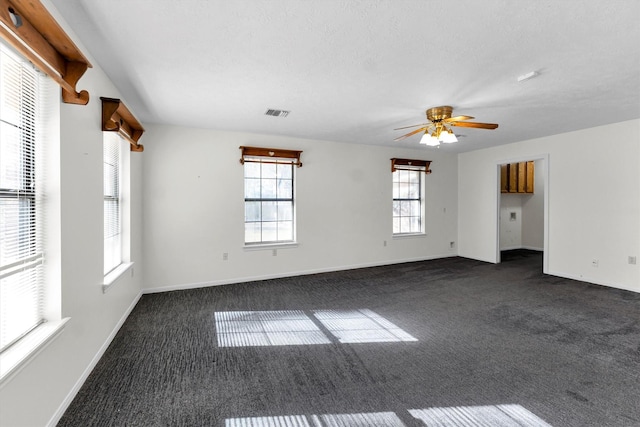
[(437, 130)]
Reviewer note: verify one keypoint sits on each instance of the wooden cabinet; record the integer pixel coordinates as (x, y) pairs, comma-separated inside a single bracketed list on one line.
[(517, 177)]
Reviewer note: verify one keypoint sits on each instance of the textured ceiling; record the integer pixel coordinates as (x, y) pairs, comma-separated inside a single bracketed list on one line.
[(353, 70)]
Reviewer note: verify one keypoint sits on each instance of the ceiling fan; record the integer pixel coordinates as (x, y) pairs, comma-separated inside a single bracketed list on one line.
[(437, 130)]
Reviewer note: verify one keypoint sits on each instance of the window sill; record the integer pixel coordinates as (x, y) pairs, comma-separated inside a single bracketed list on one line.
[(268, 246), (19, 354), (409, 236), (112, 277)]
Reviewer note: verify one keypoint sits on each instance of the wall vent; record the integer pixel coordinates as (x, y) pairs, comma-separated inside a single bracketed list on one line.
[(277, 113)]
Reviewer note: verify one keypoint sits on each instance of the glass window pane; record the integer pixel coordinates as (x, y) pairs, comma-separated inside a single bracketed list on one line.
[(396, 208), (252, 211), (285, 230), (415, 208), (252, 170), (285, 189), (268, 170), (269, 211), (415, 224), (285, 211), (404, 176), (269, 231), (252, 232), (252, 188), (268, 188), (404, 190), (405, 225), (285, 171)]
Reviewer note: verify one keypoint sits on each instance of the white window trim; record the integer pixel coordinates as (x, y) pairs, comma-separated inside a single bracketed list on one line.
[(114, 275), (14, 358), (268, 246), (423, 213)]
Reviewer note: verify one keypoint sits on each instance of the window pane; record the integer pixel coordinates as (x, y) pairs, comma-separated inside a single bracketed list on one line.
[(396, 208), (268, 170), (404, 190), (285, 171), (396, 225), (269, 211), (415, 224), (251, 188), (285, 211), (252, 170), (285, 189), (396, 190), (405, 225), (268, 188), (252, 232), (285, 230), (269, 231), (414, 208), (252, 211)]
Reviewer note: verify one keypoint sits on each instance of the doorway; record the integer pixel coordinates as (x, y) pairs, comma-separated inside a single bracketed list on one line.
[(522, 208)]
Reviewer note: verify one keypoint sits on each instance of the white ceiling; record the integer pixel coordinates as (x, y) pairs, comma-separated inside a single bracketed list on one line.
[(353, 70)]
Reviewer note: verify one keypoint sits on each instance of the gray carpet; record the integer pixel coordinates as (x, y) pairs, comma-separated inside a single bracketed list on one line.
[(450, 342)]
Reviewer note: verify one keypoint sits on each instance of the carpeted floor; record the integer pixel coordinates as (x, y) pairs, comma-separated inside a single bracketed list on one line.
[(450, 342)]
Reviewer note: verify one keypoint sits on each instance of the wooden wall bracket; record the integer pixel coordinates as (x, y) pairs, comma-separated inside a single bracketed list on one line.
[(116, 117), (410, 164), (275, 153), (29, 27)]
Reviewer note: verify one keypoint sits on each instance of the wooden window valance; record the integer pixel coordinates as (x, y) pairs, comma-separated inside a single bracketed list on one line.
[(29, 27), (410, 164), (116, 117), (256, 154)]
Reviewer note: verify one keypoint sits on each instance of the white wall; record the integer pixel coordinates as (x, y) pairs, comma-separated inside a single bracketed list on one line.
[(510, 229), (37, 394), (594, 202), (194, 208)]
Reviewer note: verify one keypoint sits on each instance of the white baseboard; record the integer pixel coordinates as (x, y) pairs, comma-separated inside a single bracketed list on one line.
[(594, 282), (185, 286), (76, 388)]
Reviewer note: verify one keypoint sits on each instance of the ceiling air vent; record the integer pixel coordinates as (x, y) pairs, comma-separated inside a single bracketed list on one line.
[(277, 113)]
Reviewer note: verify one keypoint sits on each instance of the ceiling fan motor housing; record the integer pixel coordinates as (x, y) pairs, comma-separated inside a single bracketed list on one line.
[(437, 114)]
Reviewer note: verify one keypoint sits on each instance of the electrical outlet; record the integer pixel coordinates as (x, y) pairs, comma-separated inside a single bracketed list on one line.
[(632, 260), (274, 252), (225, 256), (384, 243), (594, 263), (452, 245)]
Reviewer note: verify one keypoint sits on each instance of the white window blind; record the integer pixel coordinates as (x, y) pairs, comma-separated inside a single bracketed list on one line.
[(112, 202), (21, 249)]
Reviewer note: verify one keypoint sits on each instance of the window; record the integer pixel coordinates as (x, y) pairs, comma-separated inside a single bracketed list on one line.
[(112, 169), (21, 240), (268, 201), (408, 195)]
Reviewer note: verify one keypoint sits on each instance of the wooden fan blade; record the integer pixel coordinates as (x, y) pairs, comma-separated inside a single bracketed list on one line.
[(474, 125), (456, 118), (422, 129), (412, 126)]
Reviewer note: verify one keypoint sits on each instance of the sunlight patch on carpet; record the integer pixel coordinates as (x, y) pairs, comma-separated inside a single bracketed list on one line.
[(361, 326)]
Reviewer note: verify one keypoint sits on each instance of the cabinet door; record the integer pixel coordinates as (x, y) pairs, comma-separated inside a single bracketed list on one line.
[(530, 178), (504, 179)]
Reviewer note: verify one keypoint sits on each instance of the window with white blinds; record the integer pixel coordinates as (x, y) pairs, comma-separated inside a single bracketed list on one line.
[(112, 170), (21, 242)]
